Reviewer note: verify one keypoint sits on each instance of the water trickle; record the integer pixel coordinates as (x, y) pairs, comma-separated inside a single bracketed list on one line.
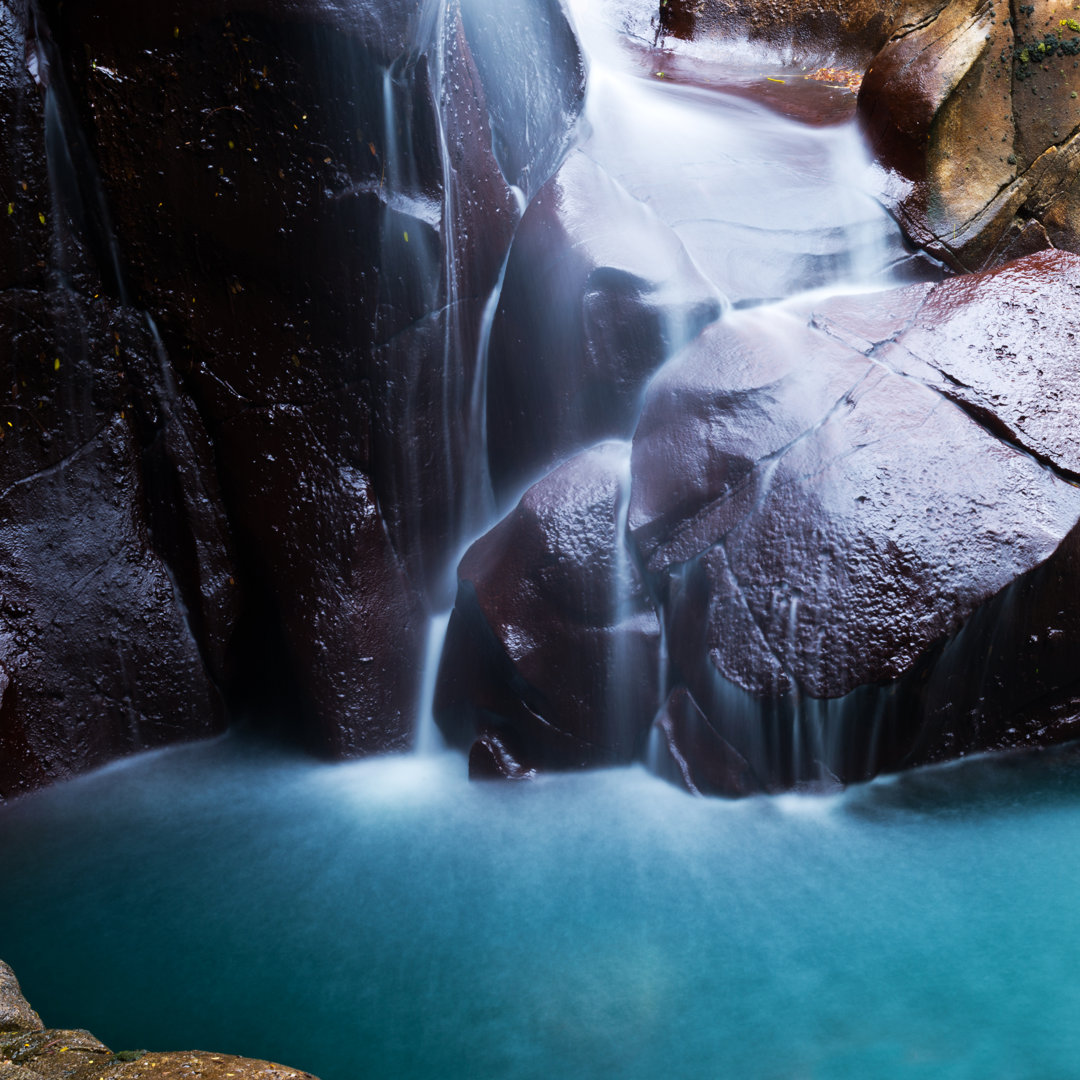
[(428, 739)]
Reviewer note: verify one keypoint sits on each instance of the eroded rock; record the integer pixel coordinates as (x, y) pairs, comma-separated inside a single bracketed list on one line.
[(973, 113)]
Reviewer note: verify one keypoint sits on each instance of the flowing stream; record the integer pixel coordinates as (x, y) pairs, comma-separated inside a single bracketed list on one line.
[(388, 919)]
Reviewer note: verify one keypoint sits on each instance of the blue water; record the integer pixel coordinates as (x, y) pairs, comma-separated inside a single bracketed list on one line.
[(388, 919)]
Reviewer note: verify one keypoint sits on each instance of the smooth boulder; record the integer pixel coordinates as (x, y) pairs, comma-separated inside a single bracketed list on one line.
[(551, 659), (829, 513)]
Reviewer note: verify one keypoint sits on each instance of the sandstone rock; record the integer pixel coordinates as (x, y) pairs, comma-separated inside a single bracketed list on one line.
[(16, 1015), (972, 114), (552, 652)]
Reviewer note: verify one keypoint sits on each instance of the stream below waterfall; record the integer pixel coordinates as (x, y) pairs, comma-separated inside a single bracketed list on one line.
[(387, 918)]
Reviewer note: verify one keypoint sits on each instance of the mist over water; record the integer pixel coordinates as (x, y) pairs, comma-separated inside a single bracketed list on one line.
[(387, 918)]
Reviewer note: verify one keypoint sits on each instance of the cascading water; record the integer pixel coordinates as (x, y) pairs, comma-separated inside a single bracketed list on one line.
[(697, 200), (387, 918)]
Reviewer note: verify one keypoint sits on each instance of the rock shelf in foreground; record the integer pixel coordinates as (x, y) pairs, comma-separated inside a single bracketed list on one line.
[(31, 1051)]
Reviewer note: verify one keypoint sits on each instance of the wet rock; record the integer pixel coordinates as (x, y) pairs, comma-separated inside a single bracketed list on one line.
[(821, 523), (29, 1051), (969, 112), (324, 222), (15, 1012), (804, 30), (100, 651), (782, 208), (491, 759), (546, 651), (1000, 344), (598, 292), (686, 750), (321, 549), (277, 430)]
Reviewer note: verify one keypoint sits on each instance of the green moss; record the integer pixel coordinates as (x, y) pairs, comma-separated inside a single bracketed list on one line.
[(129, 1055)]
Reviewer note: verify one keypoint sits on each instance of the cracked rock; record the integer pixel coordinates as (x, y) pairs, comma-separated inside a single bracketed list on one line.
[(973, 115)]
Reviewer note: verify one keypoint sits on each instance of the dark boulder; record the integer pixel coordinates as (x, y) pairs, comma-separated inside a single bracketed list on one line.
[(598, 293), (552, 651), (831, 514)]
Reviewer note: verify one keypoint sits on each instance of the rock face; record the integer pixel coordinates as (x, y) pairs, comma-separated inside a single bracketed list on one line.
[(102, 649), (973, 113), (246, 256), (30, 1051), (552, 653), (858, 523)]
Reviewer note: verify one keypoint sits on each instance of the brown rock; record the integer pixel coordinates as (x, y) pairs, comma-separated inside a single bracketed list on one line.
[(548, 661), (190, 1064), (843, 514), (847, 30), (54, 1054), (973, 113), (15, 1011), (29, 1051)]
